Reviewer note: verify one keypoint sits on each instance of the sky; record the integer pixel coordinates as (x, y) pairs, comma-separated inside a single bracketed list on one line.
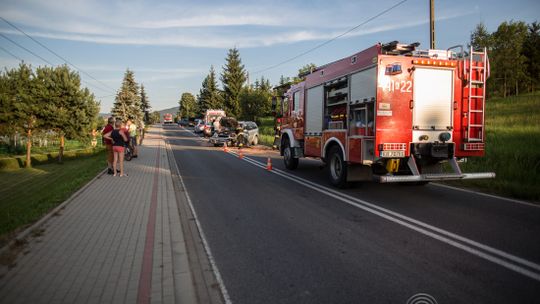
[(170, 45)]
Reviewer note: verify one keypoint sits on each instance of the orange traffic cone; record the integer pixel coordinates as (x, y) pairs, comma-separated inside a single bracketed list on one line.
[(225, 147), (269, 164), (240, 154)]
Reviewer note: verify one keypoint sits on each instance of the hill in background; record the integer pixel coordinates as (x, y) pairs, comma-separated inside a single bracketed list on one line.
[(173, 111)]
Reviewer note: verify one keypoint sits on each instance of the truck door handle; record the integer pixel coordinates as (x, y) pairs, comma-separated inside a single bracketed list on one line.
[(411, 104)]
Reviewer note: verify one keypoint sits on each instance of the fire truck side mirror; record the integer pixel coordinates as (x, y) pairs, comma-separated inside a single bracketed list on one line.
[(274, 103)]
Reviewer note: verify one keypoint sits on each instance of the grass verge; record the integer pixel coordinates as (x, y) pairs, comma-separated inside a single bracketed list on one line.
[(266, 131), (28, 194), (512, 149)]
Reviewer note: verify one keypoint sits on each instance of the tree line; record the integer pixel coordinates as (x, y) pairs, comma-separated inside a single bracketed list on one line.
[(46, 100), (238, 98), (514, 53)]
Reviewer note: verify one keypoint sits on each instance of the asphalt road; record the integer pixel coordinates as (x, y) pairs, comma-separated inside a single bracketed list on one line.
[(290, 238)]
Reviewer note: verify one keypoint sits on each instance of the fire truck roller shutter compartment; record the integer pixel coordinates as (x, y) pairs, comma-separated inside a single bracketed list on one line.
[(364, 85), (433, 101), (314, 110)]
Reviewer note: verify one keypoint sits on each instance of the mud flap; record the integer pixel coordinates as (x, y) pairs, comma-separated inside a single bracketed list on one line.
[(356, 173)]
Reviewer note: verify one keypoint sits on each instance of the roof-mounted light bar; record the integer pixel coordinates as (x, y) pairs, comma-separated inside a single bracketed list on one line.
[(431, 62)]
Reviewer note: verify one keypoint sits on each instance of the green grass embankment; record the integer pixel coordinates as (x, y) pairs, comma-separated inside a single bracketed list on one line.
[(512, 148), (28, 194), (266, 131)]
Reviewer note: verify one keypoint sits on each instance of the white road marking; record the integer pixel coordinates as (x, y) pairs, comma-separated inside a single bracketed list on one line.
[(203, 237), (488, 195), (494, 255)]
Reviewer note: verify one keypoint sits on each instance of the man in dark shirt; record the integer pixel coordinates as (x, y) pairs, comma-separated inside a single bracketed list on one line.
[(108, 144)]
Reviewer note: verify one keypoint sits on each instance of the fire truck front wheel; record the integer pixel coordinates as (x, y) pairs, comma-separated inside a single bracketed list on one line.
[(337, 167), (290, 161)]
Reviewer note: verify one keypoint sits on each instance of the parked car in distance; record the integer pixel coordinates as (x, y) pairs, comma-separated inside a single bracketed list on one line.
[(183, 122), (251, 131), (199, 127)]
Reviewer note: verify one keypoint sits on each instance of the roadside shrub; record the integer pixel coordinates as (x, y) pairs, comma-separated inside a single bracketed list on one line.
[(9, 164), (12, 163)]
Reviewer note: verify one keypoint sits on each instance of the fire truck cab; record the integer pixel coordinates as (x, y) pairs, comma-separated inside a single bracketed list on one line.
[(391, 113)]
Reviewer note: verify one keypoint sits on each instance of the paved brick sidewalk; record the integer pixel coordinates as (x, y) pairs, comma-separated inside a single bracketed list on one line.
[(119, 241)]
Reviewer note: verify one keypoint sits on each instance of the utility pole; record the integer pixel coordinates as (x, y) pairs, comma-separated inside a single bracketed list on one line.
[(431, 24)]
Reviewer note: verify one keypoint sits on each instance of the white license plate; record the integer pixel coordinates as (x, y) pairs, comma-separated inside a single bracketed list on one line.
[(392, 154)]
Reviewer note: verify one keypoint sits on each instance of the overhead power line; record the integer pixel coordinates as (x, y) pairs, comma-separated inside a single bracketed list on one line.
[(45, 60), (22, 47), (332, 39), (10, 53), (56, 54)]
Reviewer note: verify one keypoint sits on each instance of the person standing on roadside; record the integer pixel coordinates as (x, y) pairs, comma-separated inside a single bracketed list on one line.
[(132, 136), (108, 144), (119, 138), (141, 132)]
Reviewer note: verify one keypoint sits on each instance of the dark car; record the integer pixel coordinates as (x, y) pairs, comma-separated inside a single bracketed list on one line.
[(183, 123)]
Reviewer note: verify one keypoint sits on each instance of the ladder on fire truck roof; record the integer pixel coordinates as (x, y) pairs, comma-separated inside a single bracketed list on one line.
[(477, 75)]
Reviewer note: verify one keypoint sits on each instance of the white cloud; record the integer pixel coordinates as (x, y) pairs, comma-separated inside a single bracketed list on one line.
[(220, 25)]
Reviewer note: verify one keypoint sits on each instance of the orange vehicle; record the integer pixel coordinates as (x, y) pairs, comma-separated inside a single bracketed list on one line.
[(391, 113)]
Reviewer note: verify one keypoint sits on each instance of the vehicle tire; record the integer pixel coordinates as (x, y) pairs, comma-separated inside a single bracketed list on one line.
[(128, 156), (337, 167), (291, 163), (255, 140)]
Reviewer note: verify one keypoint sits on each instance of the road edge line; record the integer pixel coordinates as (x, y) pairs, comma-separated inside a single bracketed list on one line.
[(511, 200), (209, 255)]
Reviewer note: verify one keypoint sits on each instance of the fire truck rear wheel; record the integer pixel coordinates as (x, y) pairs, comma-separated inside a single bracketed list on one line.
[(337, 168), (291, 163)]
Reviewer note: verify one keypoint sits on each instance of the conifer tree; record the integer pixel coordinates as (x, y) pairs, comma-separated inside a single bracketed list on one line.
[(209, 96), (145, 105), (127, 103), (481, 38), (233, 78)]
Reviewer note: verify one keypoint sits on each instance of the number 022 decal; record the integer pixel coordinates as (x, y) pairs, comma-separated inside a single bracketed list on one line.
[(399, 86)]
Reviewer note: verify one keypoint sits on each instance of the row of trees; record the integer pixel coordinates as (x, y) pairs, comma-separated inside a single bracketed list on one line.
[(131, 101), (237, 98), (47, 99), (514, 53)]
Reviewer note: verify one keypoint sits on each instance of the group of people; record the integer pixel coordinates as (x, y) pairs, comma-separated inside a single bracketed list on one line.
[(117, 135)]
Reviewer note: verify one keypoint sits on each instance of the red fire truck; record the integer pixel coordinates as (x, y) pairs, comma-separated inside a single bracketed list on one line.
[(392, 113), (167, 118)]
